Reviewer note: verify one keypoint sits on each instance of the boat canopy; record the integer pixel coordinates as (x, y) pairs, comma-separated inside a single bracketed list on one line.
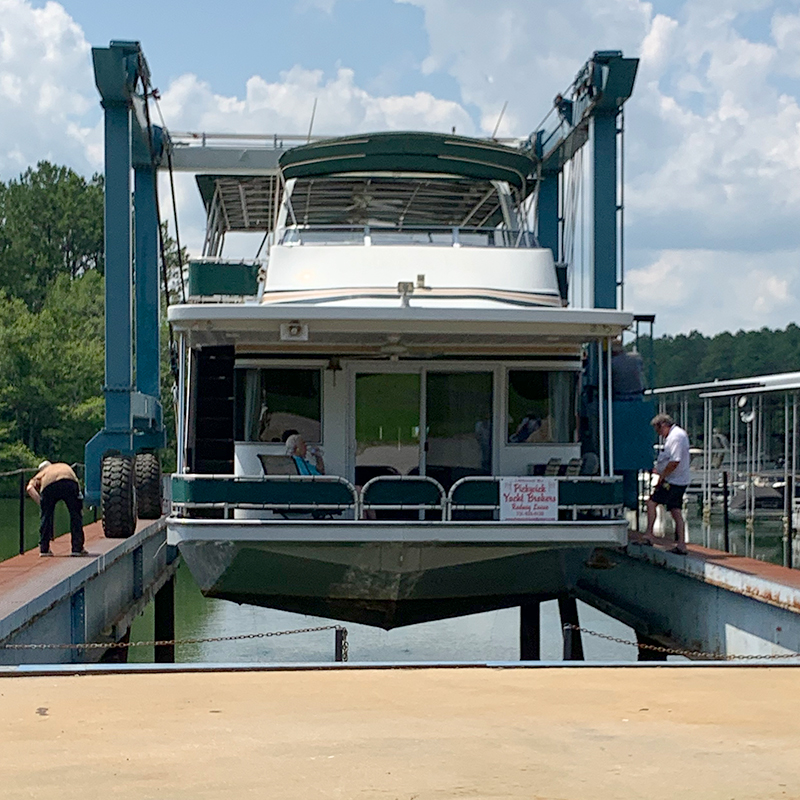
[(412, 152)]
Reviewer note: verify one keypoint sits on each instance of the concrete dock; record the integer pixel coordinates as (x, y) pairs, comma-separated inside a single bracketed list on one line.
[(538, 732), (66, 600)]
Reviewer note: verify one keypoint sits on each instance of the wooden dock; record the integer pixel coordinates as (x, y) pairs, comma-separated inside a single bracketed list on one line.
[(539, 732)]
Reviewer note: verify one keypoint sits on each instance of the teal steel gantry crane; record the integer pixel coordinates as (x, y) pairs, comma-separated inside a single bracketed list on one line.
[(122, 460)]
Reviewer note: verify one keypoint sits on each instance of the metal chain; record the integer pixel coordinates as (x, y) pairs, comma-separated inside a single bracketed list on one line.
[(675, 651), (162, 642)]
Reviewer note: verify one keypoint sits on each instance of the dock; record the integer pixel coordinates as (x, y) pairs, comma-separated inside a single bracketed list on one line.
[(499, 731), (68, 600)]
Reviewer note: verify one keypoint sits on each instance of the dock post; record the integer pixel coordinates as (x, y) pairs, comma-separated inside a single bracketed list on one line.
[(573, 645), (21, 512), (789, 504), (645, 654), (338, 645), (165, 622), (529, 631), (726, 538)]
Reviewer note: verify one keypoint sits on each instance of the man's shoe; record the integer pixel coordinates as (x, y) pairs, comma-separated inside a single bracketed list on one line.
[(82, 552), (45, 553)]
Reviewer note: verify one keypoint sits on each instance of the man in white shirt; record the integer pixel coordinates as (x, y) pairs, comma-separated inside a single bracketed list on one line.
[(672, 468)]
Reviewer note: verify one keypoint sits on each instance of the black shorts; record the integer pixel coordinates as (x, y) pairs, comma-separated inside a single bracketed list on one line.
[(672, 498)]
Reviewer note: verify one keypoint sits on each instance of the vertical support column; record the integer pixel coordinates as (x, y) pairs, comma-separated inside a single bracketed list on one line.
[(118, 267), (146, 284), (547, 213), (165, 622), (77, 623), (530, 631), (603, 134), (573, 645)]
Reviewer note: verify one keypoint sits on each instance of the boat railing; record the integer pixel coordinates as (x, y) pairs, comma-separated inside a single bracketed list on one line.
[(282, 494), (403, 493), (385, 497), (478, 496), (443, 236)]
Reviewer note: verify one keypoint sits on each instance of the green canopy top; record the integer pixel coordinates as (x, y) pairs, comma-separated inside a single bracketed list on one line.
[(412, 152)]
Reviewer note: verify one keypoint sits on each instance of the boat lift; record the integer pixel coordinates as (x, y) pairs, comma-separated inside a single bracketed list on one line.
[(122, 470)]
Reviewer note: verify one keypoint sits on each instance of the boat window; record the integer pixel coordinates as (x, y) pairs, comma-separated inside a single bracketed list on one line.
[(270, 402), (459, 420), (387, 425), (541, 406)]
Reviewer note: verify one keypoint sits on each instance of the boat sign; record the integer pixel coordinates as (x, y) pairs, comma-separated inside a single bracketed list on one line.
[(529, 499)]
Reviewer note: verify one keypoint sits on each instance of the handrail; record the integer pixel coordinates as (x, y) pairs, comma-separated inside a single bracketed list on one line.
[(360, 502), (504, 238), (574, 507), (419, 479)]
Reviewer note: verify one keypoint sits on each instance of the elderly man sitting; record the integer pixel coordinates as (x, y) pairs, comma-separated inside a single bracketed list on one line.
[(298, 449)]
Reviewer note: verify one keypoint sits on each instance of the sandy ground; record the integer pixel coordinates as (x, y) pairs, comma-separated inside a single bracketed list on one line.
[(411, 734)]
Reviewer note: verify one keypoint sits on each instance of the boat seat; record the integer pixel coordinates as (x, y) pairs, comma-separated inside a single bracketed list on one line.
[(277, 465), (403, 493), (573, 467)]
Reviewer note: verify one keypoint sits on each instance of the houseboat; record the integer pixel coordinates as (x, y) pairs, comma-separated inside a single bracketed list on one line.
[(406, 323)]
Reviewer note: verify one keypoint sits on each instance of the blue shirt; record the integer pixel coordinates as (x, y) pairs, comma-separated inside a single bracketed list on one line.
[(304, 467)]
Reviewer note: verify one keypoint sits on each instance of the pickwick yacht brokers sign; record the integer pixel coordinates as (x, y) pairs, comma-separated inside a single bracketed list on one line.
[(529, 499)]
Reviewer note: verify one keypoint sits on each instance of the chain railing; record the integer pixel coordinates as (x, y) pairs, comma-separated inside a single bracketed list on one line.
[(677, 651), (341, 650)]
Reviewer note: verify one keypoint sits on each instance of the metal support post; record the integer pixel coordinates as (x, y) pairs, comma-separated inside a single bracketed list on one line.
[(603, 135), (646, 654), (573, 645), (726, 539), (77, 622), (146, 283), (530, 631), (21, 513), (547, 213), (165, 622), (341, 634)]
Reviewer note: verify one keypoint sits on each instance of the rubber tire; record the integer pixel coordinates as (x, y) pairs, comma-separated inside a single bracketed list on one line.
[(147, 469), (118, 497)]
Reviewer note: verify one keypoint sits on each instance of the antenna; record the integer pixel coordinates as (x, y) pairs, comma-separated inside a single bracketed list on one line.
[(499, 119), (311, 124)]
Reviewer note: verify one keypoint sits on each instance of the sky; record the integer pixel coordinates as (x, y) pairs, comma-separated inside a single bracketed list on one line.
[(712, 156)]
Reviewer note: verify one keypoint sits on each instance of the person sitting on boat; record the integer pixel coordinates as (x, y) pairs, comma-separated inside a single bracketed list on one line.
[(297, 449), (672, 468), (529, 425)]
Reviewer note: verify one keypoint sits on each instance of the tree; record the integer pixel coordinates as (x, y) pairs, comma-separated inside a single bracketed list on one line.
[(51, 223)]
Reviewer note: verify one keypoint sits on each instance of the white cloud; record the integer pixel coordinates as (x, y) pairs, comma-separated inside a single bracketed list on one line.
[(46, 89), (714, 290)]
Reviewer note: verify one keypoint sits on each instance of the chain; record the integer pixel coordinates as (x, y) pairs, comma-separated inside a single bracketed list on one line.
[(676, 651), (163, 642)]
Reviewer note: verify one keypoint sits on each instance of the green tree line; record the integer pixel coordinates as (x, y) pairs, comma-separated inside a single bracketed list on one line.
[(694, 358), (52, 317)]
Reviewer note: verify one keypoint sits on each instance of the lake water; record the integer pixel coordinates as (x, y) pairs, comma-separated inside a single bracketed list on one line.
[(493, 636)]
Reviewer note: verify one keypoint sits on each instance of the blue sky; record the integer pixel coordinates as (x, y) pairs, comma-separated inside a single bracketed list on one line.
[(713, 128)]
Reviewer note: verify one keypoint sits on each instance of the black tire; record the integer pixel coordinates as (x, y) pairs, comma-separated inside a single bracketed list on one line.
[(118, 497), (148, 485)]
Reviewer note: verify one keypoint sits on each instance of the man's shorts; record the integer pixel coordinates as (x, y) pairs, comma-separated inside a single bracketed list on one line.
[(672, 498)]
